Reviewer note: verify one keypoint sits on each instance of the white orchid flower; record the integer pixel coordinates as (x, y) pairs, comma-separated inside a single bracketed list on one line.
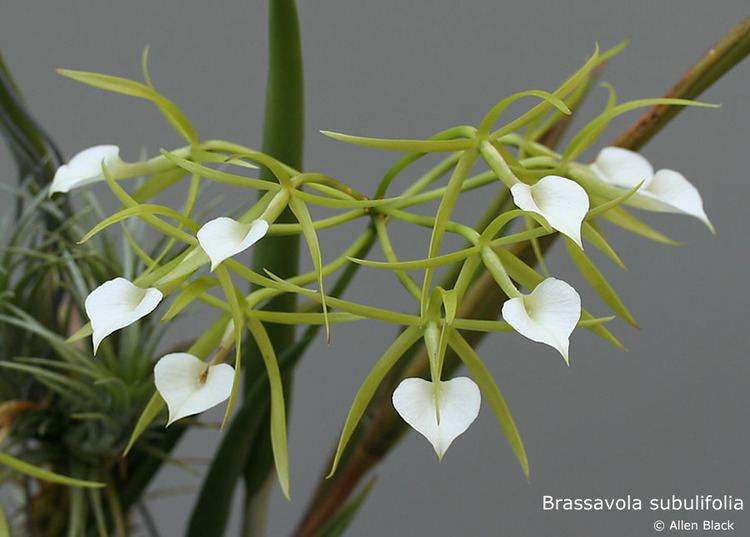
[(563, 203), (189, 385), (85, 168), (415, 401), (116, 304), (222, 237), (546, 315), (664, 191)]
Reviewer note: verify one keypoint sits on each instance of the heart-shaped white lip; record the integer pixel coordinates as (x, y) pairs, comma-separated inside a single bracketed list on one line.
[(664, 191), (622, 167), (116, 304), (415, 401), (85, 168), (222, 237), (547, 315), (563, 203), (189, 385)]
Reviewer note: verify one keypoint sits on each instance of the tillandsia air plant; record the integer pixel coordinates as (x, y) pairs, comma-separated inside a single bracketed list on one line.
[(92, 401)]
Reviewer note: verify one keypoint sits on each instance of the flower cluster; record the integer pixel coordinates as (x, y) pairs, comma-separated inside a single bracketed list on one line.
[(552, 192)]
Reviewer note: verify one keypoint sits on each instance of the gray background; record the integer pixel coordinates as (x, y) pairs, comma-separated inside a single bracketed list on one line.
[(668, 416)]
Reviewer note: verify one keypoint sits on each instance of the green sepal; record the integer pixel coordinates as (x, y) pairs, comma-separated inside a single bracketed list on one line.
[(627, 221), (151, 220), (311, 238), (220, 176), (603, 207), (278, 412), (492, 395), (481, 325), (499, 108), (444, 211), (344, 305), (598, 282), (189, 294), (595, 238), (152, 409), (139, 210), (588, 133), (367, 390), (83, 332), (225, 281), (158, 183), (135, 89), (408, 146)]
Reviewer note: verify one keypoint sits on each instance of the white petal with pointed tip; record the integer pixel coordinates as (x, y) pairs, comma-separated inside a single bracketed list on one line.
[(670, 192), (414, 400), (622, 167), (85, 168), (189, 385), (562, 202), (116, 304), (222, 237), (547, 315)]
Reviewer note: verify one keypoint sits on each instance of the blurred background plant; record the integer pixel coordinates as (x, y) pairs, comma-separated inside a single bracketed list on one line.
[(65, 412)]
